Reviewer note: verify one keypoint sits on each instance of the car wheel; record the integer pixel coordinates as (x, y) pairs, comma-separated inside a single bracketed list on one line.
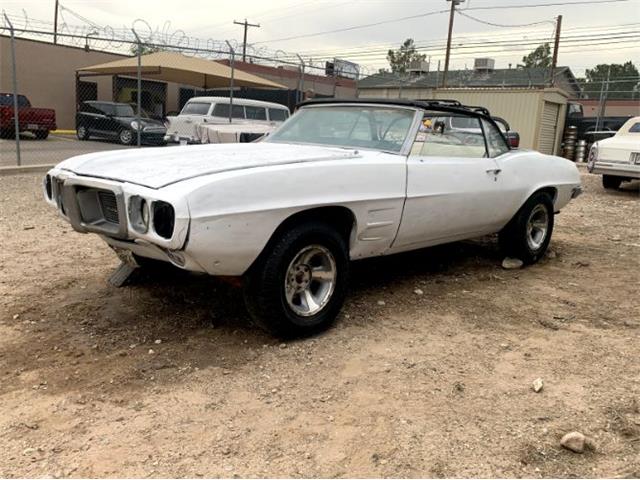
[(528, 234), (41, 134), (298, 285), (611, 182), (7, 133), (82, 133), (126, 137)]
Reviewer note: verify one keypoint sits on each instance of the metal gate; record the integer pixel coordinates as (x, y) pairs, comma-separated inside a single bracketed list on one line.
[(548, 128)]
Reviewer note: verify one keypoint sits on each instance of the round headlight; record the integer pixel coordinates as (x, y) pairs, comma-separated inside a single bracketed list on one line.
[(138, 210), (134, 125)]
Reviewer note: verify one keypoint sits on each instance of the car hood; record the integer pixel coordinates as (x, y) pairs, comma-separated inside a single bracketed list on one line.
[(146, 122), (159, 167)]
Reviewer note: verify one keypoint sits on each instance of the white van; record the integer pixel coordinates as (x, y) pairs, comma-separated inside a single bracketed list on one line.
[(215, 110)]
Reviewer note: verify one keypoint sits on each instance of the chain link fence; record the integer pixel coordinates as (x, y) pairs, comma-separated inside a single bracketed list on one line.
[(53, 106)]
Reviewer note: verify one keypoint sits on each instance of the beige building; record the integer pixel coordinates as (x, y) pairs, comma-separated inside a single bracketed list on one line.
[(536, 114), (47, 75), (613, 108)]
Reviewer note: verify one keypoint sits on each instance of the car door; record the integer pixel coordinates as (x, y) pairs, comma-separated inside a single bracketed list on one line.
[(100, 119), (452, 184)]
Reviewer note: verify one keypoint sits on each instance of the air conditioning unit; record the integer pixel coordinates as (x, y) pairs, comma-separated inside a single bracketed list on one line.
[(291, 68), (418, 67), (484, 64)]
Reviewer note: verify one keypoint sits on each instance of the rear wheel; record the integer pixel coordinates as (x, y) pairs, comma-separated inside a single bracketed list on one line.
[(298, 285), (82, 133), (528, 234), (611, 182)]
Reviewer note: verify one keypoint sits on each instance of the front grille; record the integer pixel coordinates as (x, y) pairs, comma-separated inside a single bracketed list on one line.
[(109, 206)]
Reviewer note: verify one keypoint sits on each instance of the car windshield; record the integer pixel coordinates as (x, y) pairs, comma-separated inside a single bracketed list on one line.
[(358, 126), (118, 110), (195, 108), (7, 99)]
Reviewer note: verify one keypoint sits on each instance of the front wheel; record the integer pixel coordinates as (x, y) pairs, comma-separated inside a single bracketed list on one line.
[(299, 283), (528, 234), (41, 134), (611, 182)]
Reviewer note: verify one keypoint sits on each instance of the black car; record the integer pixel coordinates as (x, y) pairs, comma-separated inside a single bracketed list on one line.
[(117, 121)]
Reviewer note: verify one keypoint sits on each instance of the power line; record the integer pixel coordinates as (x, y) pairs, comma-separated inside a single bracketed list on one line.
[(506, 43), (461, 12), (410, 17), (476, 36), (556, 4), (356, 27)]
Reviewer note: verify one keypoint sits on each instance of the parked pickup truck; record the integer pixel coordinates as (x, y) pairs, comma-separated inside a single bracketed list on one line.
[(39, 121)]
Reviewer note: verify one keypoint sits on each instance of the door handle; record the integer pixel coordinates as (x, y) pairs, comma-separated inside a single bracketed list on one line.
[(495, 171)]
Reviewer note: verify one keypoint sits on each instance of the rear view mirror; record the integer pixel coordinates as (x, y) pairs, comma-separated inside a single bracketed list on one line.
[(513, 139)]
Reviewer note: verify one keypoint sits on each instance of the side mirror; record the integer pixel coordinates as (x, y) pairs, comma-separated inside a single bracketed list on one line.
[(513, 139)]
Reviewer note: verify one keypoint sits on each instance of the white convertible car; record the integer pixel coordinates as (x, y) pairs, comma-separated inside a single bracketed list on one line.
[(617, 158), (340, 180)]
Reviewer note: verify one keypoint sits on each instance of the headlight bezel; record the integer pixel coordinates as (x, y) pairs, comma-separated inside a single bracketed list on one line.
[(163, 219), (139, 213)]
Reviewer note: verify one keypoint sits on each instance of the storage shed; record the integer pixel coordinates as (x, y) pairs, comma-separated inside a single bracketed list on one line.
[(523, 98)]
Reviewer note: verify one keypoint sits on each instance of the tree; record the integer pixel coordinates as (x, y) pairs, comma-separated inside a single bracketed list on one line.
[(144, 49), (400, 59), (623, 78), (538, 58)]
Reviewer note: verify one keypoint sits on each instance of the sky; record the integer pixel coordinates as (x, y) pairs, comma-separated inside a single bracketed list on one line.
[(592, 32)]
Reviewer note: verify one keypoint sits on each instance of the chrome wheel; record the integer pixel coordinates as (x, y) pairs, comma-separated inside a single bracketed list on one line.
[(310, 280), (126, 137), (82, 133), (537, 227)]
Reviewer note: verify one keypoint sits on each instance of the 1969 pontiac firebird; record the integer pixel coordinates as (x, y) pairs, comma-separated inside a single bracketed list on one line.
[(340, 180)]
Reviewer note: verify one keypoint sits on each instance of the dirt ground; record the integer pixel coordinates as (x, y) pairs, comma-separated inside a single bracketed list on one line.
[(167, 378)]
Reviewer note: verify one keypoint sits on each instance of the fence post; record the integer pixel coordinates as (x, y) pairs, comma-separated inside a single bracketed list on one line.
[(232, 64), (16, 120), (301, 80), (139, 96)]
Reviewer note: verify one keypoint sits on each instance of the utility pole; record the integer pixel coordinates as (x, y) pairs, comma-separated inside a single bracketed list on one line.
[(244, 43), (604, 93), (556, 44), (55, 23), (454, 4)]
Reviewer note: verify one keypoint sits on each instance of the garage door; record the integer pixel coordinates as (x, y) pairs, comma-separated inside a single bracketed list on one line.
[(548, 128)]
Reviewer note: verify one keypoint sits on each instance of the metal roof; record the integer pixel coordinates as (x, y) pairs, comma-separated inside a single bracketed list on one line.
[(497, 78), (179, 68)]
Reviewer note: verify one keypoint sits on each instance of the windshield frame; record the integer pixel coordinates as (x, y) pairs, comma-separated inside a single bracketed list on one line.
[(404, 149)]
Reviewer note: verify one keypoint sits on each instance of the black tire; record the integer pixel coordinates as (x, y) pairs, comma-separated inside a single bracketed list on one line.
[(126, 137), (264, 283), (515, 238), (82, 133), (41, 134), (611, 182), (7, 133)]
